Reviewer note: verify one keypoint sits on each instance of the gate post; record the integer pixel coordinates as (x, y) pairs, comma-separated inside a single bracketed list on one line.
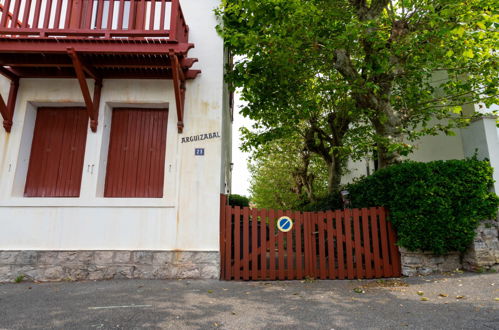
[(223, 202)]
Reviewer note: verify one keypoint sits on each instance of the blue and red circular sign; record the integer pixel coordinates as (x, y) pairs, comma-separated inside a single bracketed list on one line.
[(284, 224)]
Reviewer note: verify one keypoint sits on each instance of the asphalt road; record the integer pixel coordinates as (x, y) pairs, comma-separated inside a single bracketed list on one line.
[(452, 301)]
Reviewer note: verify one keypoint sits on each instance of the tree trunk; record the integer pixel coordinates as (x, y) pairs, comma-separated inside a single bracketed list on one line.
[(390, 131), (334, 172), (328, 149), (304, 181)]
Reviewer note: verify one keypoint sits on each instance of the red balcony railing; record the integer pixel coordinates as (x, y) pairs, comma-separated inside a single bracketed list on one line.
[(103, 19)]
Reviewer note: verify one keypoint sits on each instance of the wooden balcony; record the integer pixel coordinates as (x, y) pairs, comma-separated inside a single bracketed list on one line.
[(93, 18), (99, 39)]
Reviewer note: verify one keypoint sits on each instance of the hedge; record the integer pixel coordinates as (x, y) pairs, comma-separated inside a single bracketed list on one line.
[(434, 206), (238, 200)]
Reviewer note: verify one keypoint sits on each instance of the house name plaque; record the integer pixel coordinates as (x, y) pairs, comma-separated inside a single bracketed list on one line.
[(201, 137)]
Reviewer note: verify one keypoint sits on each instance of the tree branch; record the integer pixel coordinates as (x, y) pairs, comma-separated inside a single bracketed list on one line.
[(343, 64), (365, 13)]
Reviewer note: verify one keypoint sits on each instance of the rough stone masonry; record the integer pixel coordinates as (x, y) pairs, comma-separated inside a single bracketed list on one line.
[(103, 265), (482, 255)]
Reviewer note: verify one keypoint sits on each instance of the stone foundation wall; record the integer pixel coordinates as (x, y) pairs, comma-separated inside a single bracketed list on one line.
[(103, 265), (424, 263), (482, 255), (484, 252)]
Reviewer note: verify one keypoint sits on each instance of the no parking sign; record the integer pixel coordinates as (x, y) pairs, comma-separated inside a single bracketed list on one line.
[(284, 224)]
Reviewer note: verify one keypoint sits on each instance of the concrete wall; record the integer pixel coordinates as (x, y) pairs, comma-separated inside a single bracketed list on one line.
[(428, 148), (186, 218), (481, 137)]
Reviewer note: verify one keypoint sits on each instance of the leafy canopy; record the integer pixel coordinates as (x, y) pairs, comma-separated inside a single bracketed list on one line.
[(394, 65)]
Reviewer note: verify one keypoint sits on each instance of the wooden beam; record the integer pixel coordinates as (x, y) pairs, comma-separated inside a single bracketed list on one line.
[(179, 90), (92, 106), (97, 93), (87, 68), (7, 110), (118, 46), (7, 73), (114, 74), (62, 61)]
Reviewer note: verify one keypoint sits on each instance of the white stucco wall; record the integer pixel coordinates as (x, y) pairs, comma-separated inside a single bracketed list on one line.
[(187, 218), (428, 148), (481, 137)]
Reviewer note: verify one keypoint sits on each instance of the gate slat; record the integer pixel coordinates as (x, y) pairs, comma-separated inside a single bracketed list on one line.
[(338, 216), (290, 264), (306, 244), (395, 255), (245, 258), (298, 246), (377, 258), (387, 270), (357, 244), (322, 245), (280, 249), (367, 243), (272, 256), (228, 242), (237, 243), (314, 245), (263, 244), (330, 244), (348, 243), (254, 244), (310, 245)]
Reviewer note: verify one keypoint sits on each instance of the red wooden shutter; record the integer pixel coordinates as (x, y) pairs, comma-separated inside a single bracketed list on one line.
[(57, 152), (136, 158)]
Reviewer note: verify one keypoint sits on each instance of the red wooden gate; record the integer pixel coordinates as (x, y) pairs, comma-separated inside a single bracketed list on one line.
[(342, 244)]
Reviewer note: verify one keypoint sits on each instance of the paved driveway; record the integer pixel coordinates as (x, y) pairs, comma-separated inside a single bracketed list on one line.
[(453, 301)]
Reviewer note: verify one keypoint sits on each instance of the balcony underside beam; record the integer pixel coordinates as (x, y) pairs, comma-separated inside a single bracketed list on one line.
[(114, 74), (102, 61), (7, 109), (82, 46), (179, 90), (92, 105)]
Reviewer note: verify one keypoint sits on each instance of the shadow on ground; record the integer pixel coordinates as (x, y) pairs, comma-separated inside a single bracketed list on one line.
[(207, 304)]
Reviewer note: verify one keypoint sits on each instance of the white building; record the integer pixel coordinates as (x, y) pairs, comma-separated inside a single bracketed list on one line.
[(481, 137), (123, 180)]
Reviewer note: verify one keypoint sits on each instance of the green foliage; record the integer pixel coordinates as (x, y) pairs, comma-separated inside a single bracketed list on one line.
[(383, 68), (19, 279), (330, 202), (238, 200), (285, 176), (434, 206)]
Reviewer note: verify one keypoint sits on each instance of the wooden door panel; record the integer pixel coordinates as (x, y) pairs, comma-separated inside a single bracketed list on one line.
[(136, 156), (57, 153)]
